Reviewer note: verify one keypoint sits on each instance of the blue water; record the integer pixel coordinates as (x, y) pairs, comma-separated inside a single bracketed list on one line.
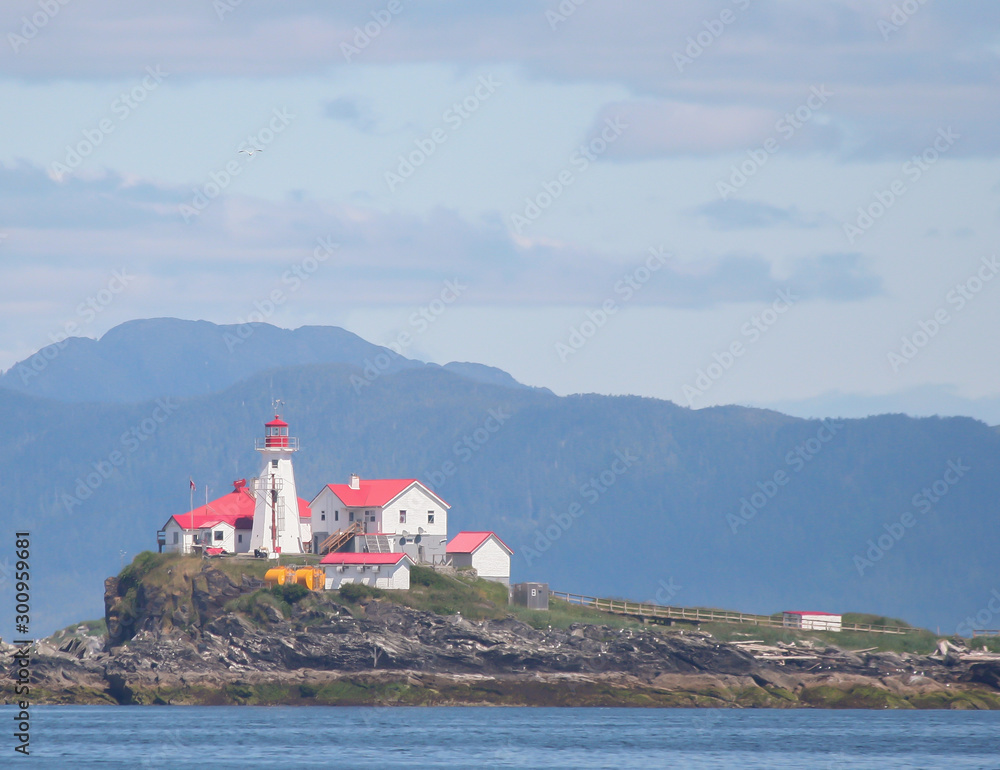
[(372, 738)]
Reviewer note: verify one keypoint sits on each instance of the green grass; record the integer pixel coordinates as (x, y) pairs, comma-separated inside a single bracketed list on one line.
[(93, 628), (476, 599), (918, 641)]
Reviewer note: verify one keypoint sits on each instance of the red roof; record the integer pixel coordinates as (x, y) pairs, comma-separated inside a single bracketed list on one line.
[(277, 422), (467, 542), (235, 509), (800, 612), (363, 558), (374, 492)]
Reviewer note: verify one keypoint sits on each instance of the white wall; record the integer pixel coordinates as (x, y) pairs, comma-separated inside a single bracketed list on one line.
[(327, 504), (184, 539), (492, 561), (228, 541), (289, 534), (812, 622), (388, 576)]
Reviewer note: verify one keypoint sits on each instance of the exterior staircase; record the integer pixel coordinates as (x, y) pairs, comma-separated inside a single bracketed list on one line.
[(378, 544), (340, 537)]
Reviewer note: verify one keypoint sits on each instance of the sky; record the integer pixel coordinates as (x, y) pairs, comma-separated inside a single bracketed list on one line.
[(759, 202)]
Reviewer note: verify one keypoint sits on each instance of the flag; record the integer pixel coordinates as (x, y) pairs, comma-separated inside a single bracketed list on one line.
[(193, 487)]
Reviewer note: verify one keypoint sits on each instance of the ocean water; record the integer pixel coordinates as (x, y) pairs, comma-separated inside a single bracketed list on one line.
[(284, 738)]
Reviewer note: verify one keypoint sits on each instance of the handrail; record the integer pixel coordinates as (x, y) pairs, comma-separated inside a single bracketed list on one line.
[(340, 537), (643, 609)]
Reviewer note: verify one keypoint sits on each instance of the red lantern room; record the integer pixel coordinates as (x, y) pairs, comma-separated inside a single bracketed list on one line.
[(276, 433)]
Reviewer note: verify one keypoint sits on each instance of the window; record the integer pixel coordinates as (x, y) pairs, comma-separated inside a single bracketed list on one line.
[(239, 538), (176, 537), (402, 517), (219, 535), (350, 516), (430, 517), (274, 463), (322, 517), (336, 515)]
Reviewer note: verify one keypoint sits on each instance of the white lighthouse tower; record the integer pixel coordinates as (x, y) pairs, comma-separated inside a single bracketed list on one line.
[(276, 504)]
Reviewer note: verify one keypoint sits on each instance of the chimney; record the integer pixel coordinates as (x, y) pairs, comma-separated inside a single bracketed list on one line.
[(355, 481)]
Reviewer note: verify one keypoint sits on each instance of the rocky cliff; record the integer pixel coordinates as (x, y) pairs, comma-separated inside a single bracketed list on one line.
[(207, 638)]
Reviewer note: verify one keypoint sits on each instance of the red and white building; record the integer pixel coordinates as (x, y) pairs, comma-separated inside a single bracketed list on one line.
[(392, 515), (277, 526), (376, 528), (483, 551), (226, 522), (379, 570)]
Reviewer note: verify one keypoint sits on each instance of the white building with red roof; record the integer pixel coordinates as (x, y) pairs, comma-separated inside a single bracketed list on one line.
[(483, 551), (226, 522), (382, 515), (379, 570)]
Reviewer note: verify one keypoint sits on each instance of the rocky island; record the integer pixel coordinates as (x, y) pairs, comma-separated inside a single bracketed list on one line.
[(183, 630)]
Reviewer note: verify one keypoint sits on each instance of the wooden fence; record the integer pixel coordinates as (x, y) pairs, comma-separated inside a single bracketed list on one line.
[(697, 615)]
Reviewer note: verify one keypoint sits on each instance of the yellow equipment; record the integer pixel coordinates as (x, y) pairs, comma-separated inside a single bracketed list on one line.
[(313, 578), (279, 576)]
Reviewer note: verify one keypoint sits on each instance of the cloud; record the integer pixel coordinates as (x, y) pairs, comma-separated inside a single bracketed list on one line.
[(240, 244), (836, 277), (352, 111), (657, 128), (895, 85), (737, 214)]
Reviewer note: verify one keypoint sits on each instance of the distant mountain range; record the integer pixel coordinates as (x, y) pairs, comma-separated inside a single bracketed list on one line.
[(636, 497), (143, 359)]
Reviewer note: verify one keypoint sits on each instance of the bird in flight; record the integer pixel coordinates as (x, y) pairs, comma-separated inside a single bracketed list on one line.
[(252, 150)]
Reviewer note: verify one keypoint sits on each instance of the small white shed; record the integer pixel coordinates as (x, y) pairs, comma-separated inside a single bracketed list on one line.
[(485, 552), (811, 621), (378, 570)]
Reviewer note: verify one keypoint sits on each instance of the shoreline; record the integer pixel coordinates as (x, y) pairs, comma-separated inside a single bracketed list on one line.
[(421, 688)]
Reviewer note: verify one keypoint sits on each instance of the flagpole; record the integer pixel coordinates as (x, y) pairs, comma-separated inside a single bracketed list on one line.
[(191, 508)]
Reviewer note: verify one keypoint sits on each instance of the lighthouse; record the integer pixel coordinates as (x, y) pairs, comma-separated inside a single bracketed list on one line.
[(276, 525)]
